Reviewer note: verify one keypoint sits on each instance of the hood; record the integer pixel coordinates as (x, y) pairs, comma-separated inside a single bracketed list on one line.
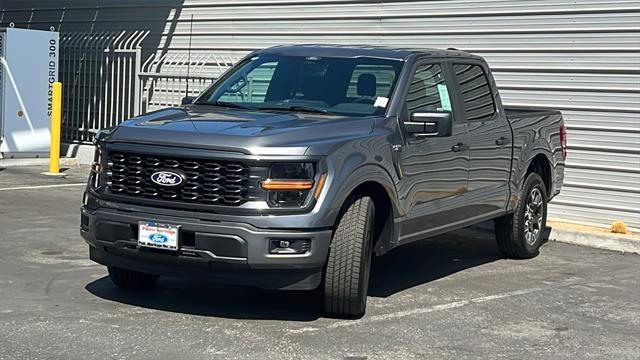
[(246, 131)]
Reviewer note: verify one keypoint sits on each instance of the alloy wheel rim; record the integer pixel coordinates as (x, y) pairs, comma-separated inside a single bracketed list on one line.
[(533, 215)]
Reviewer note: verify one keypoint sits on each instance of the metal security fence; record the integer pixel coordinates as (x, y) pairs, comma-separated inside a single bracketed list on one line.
[(101, 83), (106, 81), (165, 80)]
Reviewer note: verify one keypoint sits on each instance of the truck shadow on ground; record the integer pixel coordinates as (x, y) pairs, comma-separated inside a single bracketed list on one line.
[(403, 268)]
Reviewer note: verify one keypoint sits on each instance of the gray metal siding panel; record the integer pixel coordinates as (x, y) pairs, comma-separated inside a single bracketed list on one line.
[(582, 57)]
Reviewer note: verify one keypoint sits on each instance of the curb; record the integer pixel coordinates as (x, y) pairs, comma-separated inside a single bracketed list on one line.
[(594, 240), (82, 152), (5, 163), (599, 241), (72, 155)]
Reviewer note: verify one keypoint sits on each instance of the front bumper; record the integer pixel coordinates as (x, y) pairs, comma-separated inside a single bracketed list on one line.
[(225, 252)]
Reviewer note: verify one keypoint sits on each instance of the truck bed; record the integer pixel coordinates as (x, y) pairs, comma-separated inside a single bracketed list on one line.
[(516, 112)]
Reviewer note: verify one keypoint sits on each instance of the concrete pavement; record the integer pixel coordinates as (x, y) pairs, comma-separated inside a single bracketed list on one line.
[(448, 297)]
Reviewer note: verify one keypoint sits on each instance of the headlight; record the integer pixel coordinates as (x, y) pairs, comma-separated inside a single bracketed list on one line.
[(96, 168), (289, 184), (291, 171)]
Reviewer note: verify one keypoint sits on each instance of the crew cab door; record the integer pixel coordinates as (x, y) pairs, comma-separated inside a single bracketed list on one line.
[(433, 163), (489, 139)]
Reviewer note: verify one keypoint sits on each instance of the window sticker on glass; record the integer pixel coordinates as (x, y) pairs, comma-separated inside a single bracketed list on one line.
[(381, 102), (445, 103)]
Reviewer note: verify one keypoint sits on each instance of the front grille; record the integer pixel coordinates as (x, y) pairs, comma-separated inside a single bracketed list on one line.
[(207, 181)]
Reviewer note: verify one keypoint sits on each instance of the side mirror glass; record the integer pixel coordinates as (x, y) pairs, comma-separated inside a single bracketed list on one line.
[(430, 124), (187, 100)]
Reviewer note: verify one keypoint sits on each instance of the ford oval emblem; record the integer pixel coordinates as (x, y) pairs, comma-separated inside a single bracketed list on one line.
[(158, 238), (167, 178)]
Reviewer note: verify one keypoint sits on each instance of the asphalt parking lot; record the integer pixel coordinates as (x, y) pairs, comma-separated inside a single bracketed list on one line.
[(448, 297)]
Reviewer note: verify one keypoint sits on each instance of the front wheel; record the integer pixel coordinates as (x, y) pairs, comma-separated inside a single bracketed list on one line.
[(346, 277), (520, 235)]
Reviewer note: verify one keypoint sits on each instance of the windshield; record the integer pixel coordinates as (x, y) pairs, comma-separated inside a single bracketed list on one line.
[(332, 85)]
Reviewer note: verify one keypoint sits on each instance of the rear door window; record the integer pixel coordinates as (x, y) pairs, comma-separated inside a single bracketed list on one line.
[(475, 92)]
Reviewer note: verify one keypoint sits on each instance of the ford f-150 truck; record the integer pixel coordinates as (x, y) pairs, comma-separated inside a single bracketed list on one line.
[(300, 163)]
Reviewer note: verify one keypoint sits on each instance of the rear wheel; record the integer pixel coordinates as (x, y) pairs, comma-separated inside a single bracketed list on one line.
[(346, 277), (129, 279), (520, 235)]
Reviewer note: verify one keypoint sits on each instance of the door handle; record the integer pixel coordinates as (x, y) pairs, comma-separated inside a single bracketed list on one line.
[(502, 141), (459, 147)]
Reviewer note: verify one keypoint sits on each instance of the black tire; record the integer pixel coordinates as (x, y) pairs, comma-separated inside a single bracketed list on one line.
[(346, 278), (515, 233), (128, 279)]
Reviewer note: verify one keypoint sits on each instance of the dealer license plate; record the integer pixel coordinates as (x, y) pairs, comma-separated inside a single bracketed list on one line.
[(157, 235)]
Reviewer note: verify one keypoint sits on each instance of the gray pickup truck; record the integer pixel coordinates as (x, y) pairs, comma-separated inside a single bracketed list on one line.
[(301, 162)]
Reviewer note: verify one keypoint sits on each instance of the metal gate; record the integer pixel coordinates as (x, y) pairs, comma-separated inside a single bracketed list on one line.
[(165, 79), (101, 84)]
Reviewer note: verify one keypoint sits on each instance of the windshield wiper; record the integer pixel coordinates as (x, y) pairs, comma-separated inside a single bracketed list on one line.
[(300, 108), (223, 103)]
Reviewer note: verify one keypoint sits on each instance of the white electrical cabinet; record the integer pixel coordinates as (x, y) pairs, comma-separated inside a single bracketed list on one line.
[(28, 69)]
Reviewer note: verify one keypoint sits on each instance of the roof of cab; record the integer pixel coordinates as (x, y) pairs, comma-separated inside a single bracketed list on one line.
[(362, 50)]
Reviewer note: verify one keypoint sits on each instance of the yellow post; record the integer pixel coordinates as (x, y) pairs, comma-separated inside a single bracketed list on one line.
[(56, 116)]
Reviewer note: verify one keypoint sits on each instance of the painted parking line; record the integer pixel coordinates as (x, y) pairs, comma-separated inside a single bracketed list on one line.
[(457, 304), (42, 186), (423, 310)]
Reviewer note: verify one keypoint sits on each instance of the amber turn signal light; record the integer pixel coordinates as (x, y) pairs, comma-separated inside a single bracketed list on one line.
[(270, 184), (323, 178)]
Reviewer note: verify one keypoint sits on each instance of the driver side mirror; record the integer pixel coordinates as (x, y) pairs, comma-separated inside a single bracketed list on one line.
[(429, 124), (187, 100)]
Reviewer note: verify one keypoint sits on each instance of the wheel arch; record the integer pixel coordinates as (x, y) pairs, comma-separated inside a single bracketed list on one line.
[(373, 181), (541, 165)]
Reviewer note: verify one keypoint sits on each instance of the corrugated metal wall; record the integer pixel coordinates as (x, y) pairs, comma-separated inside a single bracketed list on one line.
[(582, 57)]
